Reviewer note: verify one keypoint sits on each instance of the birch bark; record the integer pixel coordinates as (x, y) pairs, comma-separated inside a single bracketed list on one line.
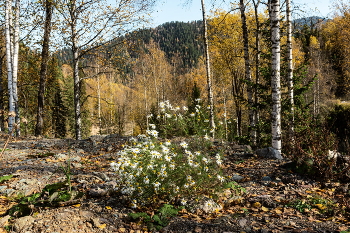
[(12, 48), (209, 82), (275, 79)]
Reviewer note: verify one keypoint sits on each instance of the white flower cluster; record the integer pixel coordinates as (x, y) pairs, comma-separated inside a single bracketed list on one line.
[(147, 168)]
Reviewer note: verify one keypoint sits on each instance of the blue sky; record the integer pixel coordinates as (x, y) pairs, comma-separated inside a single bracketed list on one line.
[(175, 10)]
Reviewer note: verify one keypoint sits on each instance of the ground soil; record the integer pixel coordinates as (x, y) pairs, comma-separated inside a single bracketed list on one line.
[(267, 206)]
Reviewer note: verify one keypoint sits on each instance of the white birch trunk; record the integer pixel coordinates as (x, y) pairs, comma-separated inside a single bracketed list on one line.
[(9, 52), (77, 105), (290, 68), (209, 82), (275, 79), (15, 67), (12, 48)]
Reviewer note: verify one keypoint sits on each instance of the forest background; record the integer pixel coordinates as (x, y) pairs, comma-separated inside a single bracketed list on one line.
[(130, 78)]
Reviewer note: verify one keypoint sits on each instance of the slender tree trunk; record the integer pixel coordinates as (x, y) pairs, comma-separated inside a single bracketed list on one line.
[(99, 105), (76, 59), (2, 118), (248, 76), (77, 83), (9, 56), (207, 61), (43, 68), (290, 69), (257, 66), (275, 79), (15, 66)]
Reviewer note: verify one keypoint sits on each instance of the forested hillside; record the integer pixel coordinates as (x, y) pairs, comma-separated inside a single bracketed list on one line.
[(118, 82)]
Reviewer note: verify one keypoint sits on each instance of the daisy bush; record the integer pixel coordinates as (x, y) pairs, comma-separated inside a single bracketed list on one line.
[(182, 121), (151, 171)]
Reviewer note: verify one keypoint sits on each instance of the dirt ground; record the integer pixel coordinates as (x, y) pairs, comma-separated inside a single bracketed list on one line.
[(276, 199)]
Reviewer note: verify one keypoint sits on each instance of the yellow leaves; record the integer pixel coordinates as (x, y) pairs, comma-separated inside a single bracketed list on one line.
[(265, 209), (102, 226), (77, 205), (314, 42), (256, 205), (109, 208), (321, 206)]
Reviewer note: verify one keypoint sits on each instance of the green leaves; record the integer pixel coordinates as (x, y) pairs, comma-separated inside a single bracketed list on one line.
[(5, 178), (159, 220)]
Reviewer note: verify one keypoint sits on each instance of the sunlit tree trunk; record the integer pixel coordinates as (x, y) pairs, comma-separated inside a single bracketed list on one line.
[(275, 79), (248, 76), (43, 68), (12, 48), (207, 61)]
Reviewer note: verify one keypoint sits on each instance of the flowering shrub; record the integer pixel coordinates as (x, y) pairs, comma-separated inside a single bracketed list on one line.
[(182, 121), (151, 171)]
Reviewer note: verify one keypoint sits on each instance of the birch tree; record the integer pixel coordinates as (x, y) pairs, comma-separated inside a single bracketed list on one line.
[(207, 63), (12, 48), (274, 8), (87, 25)]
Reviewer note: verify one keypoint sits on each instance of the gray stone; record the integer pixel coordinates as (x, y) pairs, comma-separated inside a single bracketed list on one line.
[(266, 178), (242, 222), (269, 153), (8, 192), (61, 156), (236, 177), (2, 189), (23, 223), (79, 151), (76, 165), (75, 159)]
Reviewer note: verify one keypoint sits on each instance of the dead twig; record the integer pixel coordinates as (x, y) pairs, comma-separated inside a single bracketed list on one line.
[(7, 141)]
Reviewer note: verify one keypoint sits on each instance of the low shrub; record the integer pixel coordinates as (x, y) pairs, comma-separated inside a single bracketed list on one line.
[(152, 172)]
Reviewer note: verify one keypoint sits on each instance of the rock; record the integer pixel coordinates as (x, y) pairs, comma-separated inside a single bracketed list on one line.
[(269, 153), (75, 159), (61, 156), (241, 148), (8, 192), (21, 224), (266, 178), (76, 165), (242, 222), (237, 178), (2, 189), (102, 175), (206, 205), (4, 220), (96, 222), (79, 151), (98, 192)]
